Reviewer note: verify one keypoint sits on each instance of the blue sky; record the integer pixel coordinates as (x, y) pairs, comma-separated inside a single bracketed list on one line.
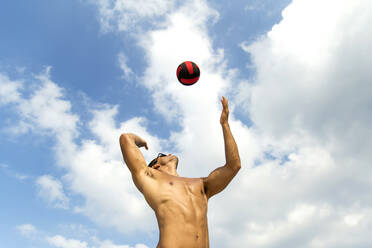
[(75, 74)]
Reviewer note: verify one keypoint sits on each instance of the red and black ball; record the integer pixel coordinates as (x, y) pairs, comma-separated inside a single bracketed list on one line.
[(188, 73)]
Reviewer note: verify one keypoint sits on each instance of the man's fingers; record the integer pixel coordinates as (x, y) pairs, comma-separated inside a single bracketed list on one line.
[(224, 102)]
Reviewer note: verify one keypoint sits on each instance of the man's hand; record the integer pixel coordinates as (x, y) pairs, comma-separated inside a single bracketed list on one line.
[(140, 142), (225, 111)]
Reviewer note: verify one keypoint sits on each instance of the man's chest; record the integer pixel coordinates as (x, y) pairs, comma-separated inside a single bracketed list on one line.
[(177, 194)]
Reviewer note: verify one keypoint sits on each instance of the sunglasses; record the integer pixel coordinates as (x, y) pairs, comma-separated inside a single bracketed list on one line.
[(155, 160)]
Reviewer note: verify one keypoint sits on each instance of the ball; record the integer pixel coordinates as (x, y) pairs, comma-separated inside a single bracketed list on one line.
[(188, 73)]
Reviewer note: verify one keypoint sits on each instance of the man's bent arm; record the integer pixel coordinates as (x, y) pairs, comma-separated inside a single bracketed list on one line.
[(231, 149), (130, 144), (222, 176)]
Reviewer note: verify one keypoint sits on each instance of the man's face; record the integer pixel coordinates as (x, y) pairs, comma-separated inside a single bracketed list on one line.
[(166, 161)]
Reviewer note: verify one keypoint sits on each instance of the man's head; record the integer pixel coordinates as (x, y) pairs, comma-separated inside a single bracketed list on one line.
[(166, 163)]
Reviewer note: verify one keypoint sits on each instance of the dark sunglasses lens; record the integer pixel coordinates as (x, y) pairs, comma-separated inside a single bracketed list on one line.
[(151, 164)]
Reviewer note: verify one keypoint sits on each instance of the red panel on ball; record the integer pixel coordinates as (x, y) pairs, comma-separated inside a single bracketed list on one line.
[(189, 67)]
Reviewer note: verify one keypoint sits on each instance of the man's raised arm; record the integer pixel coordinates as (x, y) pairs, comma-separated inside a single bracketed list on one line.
[(222, 176), (130, 144)]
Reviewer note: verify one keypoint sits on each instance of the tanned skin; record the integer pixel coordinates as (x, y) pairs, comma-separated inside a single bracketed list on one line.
[(180, 203)]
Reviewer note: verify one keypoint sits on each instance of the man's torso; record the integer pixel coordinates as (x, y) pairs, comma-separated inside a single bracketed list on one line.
[(180, 205)]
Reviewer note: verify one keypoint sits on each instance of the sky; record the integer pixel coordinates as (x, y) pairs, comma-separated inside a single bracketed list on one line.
[(74, 75)]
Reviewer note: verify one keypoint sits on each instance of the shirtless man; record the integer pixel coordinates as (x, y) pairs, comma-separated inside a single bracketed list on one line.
[(180, 203)]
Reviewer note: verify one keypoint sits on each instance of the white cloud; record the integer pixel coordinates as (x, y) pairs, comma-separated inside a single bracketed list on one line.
[(21, 177), (353, 219), (51, 190), (47, 112), (9, 89), (26, 230), (77, 230), (110, 244), (48, 96), (309, 101), (62, 242), (318, 63), (44, 112), (123, 15), (39, 237), (123, 62)]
